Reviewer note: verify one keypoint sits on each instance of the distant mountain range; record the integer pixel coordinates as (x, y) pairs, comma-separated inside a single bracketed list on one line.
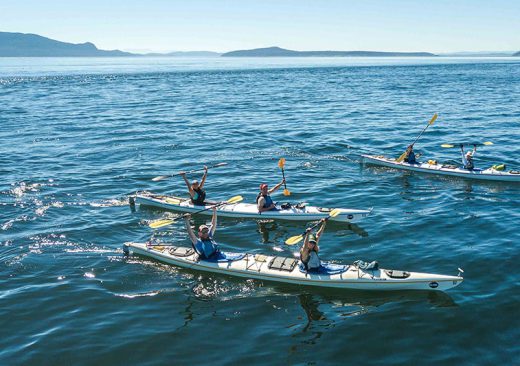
[(185, 54), (282, 52), (33, 45)]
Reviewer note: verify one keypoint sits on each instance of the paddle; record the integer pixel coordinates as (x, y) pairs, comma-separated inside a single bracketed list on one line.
[(164, 222), (161, 177), (281, 164), (298, 238), (448, 146), (403, 155)]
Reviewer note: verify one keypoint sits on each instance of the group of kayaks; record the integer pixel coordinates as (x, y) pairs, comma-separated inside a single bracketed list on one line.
[(290, 270), (278, 268)]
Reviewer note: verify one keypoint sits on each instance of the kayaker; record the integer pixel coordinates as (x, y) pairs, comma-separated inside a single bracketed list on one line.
[(410, 155), (203, 244), (264, 200), (309, 251), (197, 194), (467, 158)]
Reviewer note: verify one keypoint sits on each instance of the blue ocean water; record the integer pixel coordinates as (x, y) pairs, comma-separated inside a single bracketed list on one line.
[(78, 135)]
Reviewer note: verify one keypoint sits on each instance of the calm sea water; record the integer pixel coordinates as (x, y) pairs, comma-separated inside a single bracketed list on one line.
[(78, 135)]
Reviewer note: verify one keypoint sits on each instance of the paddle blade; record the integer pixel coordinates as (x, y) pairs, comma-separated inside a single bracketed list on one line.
[(447, 146), (160, 177), (160, 223), (433, 119), (487, 143), (334, 213), (234, 199), (401, 158), (286, 192), (281, 163), (294, 240)]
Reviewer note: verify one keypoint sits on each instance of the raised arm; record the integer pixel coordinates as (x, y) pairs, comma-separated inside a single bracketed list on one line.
[(214, 221), (306, 238), (464, 162), (275, 188), (203, 180), (191, 234), (188, 185), (320, 231)]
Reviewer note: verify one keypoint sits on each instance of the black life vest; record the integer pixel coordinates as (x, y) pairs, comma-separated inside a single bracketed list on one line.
[(199, 197)]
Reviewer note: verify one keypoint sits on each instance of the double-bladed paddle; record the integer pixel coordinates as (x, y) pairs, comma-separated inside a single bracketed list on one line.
[(281, 165), (403, 155), (162, 177), (298, 238), (448, 146), (164, 222)]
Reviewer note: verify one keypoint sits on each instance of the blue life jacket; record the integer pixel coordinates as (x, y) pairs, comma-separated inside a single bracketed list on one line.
[(206, 248), (410, 159), (268, 201)]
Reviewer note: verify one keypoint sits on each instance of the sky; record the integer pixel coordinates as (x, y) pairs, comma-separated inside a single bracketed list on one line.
[(437, 26)]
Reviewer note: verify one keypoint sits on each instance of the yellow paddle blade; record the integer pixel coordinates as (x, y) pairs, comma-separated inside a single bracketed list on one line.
[(401, 158), (447, 145), (235, 199), (487, 143), (286, 192), (433, 119), (281, 163), (160, 223), (334, 213), (294, 240)]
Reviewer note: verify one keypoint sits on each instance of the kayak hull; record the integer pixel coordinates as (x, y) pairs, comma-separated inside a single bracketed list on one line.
[(255, 266), (248, 210), (439, 169)]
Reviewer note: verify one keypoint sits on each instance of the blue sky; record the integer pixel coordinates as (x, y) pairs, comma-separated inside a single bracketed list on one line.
[(168, 25)]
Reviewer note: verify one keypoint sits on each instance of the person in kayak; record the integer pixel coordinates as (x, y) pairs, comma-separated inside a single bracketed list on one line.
[(203, 244), (309, 251), (467, 158), (410, 155), (264, 200), (197, 194)]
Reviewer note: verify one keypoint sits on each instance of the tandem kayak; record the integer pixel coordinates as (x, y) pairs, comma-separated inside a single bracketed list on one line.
[(441, 169), (249, 210), (289, 270)]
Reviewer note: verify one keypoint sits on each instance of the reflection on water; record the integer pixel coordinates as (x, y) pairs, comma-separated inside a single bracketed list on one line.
[(265, 227), (325, 309)]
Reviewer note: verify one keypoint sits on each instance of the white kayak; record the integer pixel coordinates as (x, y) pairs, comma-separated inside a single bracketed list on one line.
[(249, 210), (289, 270), (442, 169)]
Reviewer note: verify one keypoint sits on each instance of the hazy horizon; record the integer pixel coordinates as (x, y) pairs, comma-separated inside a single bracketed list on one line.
[(164, 26)]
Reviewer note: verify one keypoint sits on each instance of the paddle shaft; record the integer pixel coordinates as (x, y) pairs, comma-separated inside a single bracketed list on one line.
[(161, 177), (425, 128), (200, 170), (283, 176), (315, 225), (211, 207)]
